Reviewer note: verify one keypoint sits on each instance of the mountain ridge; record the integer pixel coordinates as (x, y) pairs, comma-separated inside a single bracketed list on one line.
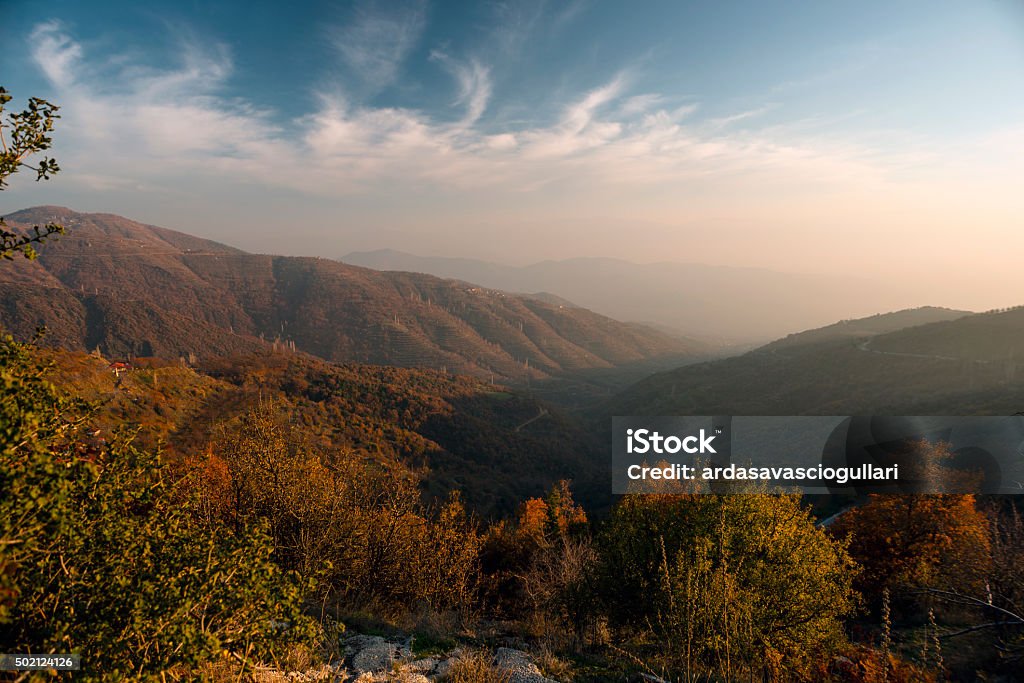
[(870, 326), (967, 365), (131, 288)]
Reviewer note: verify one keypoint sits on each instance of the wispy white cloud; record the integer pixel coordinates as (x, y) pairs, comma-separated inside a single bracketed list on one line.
[(569, 12), (175, 125), (639, 104), (515, 22), (376, 40), (474, 82), (152, 122), (57, 55), (725, 121)]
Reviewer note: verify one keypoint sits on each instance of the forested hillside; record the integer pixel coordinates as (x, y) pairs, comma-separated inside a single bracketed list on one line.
[(969, 365), (447, 432), (129, 288)]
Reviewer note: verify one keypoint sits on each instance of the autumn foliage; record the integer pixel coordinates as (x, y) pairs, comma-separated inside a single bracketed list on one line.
[(922, 541), (358, 528)]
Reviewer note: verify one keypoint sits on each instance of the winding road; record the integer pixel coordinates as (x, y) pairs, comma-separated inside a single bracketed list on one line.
[(866, 346)]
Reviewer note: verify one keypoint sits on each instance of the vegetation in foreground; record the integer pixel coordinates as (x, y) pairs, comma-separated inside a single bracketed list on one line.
[(252, 548)]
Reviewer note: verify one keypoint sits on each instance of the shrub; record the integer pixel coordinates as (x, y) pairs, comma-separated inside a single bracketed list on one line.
[(559, 587), (476, 666), (356, 527), (540, 569), (100, 557), (725, 584), (917, 541)]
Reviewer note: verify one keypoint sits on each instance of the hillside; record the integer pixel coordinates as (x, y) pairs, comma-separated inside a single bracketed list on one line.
[(731, 304), (496, 446), (968, 365), (996, 338), (129, 288), (863, 328)]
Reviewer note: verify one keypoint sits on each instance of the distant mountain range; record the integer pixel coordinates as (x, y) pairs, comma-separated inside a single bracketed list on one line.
[(720, 303), (917, 362), (128, 288)]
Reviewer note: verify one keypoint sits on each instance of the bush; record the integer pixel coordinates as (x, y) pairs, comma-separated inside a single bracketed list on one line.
[(912, 541), (726, 584), (356, 527), (541, 569), (101, 557), (559, 588)]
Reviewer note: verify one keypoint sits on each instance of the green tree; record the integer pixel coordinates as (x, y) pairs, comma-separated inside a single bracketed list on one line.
[(103, 555), (23, 134), (725, 584)]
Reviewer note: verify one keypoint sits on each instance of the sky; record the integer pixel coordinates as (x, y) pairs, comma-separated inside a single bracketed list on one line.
[(882, 139)]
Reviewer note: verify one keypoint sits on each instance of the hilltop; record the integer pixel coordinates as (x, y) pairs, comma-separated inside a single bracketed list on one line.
[(871, 326)]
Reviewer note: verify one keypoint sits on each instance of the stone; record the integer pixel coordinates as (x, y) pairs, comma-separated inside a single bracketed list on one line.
[(421, 666), (356, 643), (369, 678), (442, 668), (411, 677), (377, 657), (519, 665), (651, 678)]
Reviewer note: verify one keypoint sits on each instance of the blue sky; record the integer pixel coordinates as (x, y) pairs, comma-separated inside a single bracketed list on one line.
[(792, 135)]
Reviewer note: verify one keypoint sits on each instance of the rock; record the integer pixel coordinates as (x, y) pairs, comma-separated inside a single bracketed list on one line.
[(369, 678), (374, 654), (421, 666), (375, 658), (519, 665), (442, 668), (356, 643), (444, 665), (389, 677), (411, 677), (651, 678)]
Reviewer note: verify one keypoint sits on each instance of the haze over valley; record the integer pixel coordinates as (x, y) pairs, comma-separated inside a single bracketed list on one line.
[(729, 304), (125, 289)]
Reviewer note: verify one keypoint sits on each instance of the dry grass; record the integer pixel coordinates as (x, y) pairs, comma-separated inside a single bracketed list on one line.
[(476, 667), (551, 665)]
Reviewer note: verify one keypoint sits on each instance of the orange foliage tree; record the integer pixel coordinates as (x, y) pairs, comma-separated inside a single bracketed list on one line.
[(923, 541), (552, 518)]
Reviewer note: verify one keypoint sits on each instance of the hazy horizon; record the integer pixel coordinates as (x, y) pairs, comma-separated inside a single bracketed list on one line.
[(878, 142)]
